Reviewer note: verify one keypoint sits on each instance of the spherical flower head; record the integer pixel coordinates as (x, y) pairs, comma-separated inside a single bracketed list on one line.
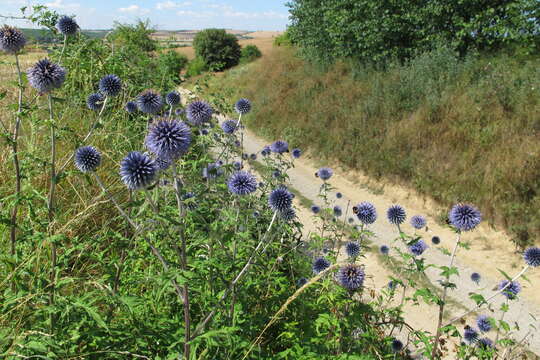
[(242, 106), (87, 158), (280, 199), (237, 165), (337, 210), (242, 183), (470, 335), (199, 112), (396, 214), (67, 25), (168, 138), (12, 40), (397, 345), (296, 153), (485, 342), (324, 173), (436, 240), (266, 151), (288, 215), (320, 264), (110, 85), (276, 173), (149, 102), (244, 156), (163, 164), (352, 248), (339, 195), (228, 126), (46, 76), (315, 209), (351, 277), (475, 277), (418, 222), (301, 282), (464, 217), (511, 289), (131, 107), (532, 256), (482, 321), (279, 146), (418, 248), (253, 157), (365, 212), (95, 101), (212, 171), (392, 285), (137, 170), (384, 249), (172, 98)]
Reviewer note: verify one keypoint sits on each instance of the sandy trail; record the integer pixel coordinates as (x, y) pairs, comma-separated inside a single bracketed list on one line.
[(479, 258)]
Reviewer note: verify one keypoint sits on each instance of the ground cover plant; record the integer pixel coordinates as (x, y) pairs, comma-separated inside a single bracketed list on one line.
[(136, 227)]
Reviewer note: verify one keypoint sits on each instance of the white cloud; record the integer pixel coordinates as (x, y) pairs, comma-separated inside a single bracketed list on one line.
[(172, 5), (59, 4), (134, 9), (256, 15), (196, 14)]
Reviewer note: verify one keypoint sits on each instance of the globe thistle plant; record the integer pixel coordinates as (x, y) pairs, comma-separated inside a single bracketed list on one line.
[(436, 240), (87, 158), (315, 209), (110, 85), (131, 107), (12, 40), (384, 249), (475, 277), (296, 153), (168, 138), (172, 98), (237, 165), (470, 335), (212, 171), (242, 183), (464, 217), (339, 195), (418, 248), (324, 173), (266, 151), (242, 106), (483, 323), (228, 126), (199, 112), (301, 282), (320, 264), (365, 212), (397, 345), (352, 248), (253, 157), (67, 25), (351, 277), (337, 211), (46, 76), (288, 215), (418, 222), (511, 289), (532, 256), (137, 170), (280, 199), (396, 214), (95, 101), (162, 163), (149, 102), (485, 342), (279, 146)]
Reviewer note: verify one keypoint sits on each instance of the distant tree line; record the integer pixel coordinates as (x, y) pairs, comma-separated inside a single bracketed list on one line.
[(378, 30)]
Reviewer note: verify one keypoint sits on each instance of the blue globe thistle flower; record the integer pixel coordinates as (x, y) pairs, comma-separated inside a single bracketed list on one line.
[(256, 214), (168, 138), (397, 345), (384, 249), (396, 214), (365, 212), (228, 126), (315, 209), (280, 199), (532, 256), (301, 282), (253, 157), (131, 107), (482, 321), (418, 248), (242, 106), (204, 132), (179, 112), (352, 248), (485, 343), (464, 217), (242, 183), (288, 215), (172, 98), (436, 240), (110, 85), (244, 156), (137, 170), (470, 335), (351, 277), (237, 143), (276, 173), (279, 146), (324, 173), (320, 264), (212, 171), (12, 40), (46, 76), (475, 277), (67, 25), (512, 289), (199, 112), (149, 102), (418, 222), (339, 195), (95, 101), (296, 153), (237, 165), (392, 285), (337, 210), (87, 158), (266, 151), (350, 220)]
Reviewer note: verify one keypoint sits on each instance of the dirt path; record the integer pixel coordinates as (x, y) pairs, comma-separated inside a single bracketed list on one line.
[(489, 250)]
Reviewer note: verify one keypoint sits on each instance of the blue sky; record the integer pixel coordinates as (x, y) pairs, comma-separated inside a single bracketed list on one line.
[(165, 14)]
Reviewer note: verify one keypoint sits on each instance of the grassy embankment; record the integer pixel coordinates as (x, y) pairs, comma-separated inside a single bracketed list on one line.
[(456, 130)]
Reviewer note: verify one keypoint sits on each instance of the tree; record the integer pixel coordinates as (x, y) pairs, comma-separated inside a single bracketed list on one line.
[(134, 35), (218, 49), (250, 53)]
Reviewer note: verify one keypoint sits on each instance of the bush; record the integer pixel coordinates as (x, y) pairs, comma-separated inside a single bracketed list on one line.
[(196, 67), (172, 63), (283, 39), (218, 49), (136, 36), (250, 53)]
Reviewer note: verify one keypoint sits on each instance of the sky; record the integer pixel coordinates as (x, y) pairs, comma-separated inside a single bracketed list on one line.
[(163, 14)]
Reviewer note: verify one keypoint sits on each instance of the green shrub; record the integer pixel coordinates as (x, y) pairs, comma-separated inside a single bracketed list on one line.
[(134, 35), (283, 39), (196, 67), (218, 49), (250, 53), (172, 63)]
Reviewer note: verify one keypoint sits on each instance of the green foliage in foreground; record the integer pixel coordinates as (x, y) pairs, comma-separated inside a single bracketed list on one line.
[(217, 48)]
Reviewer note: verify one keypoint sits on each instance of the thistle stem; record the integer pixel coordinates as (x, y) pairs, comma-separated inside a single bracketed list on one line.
[(63, 48), (50, 206)]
